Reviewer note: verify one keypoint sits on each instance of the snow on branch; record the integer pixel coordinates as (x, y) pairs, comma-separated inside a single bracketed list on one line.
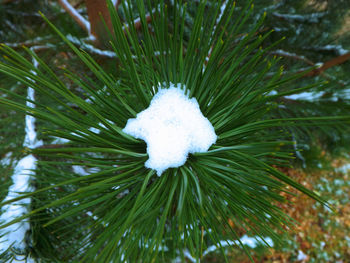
[(15, 235), (90, 48), (38, 41), (82, 22), (283, 53), (345, 56), (222, 10), (331, 63), (137, 21), (308, 18), (337, 49)]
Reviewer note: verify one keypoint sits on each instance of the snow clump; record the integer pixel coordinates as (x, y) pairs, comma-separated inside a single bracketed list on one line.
[(172, 126)]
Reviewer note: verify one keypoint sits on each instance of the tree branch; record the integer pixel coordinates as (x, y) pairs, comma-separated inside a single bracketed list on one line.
[(330, 63), (81, 21), (137, 21), (116, 3), (287, 54), (318, 71)]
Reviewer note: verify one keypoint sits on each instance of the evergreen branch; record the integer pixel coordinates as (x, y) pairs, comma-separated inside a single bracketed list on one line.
[(122, 211)]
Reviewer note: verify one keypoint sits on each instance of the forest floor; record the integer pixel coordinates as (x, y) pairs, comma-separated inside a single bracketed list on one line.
[(320, 235)]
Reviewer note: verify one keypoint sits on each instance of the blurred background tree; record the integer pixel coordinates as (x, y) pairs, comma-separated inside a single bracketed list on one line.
[(317, 33)]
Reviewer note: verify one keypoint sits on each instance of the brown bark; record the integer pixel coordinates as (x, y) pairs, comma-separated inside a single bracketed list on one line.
[(331, 63), (98, 12)]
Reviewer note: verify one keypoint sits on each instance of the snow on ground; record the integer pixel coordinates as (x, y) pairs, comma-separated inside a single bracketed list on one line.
[(301, 256), (172, 126), (343, 169)]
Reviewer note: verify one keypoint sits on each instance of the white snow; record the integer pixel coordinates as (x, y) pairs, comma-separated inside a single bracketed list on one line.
[(188, 255), (221, 13), (271, 93), (252, 242), (6, 160), (91, 48), (308, 96), (80, 170), (246, 240), (343, 169), (74, 12), (30, 137), (15, 234), (172, 126), (281, 52), (301, 256), (338, 49), (59, 140), (310, 18)]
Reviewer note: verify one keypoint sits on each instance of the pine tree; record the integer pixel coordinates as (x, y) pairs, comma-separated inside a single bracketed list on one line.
[(94, 200)]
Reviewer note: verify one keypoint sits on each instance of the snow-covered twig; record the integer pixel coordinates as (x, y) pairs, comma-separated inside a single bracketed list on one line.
[(222, 10), (82, 22), (322, 66), (282, 53), (251, 242), (12, 27), (330, 63), (308, 18), (245, 240), (94, 50), (137, 21), (35, 42), (15, 234), (337, 49), (90, 48)]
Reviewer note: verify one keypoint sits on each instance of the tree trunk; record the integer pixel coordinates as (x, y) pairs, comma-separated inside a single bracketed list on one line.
[(98, 12)]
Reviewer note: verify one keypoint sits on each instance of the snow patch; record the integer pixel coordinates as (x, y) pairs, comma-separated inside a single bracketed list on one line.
[(91, 48), (301, 256), (75, 14), (343, 169), (80, 170), (307, 18), (15, 234), (308, 96), (252, 242), (6, 161), (59, 140), (338, 49), (30, 137), (172, 126)]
